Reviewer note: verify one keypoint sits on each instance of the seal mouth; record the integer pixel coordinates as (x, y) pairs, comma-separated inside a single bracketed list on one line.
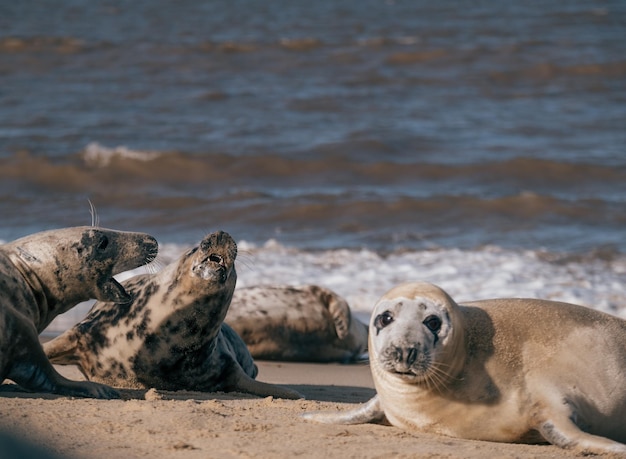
[(410, 363), (217, 259), (408, 374), (213, 267)]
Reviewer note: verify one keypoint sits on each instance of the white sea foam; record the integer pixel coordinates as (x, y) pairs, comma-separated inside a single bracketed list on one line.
[(97, 155), (361, 277)]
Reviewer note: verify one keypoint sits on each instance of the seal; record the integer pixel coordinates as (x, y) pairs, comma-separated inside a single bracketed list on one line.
[(504, 370), (297, 323), (171, 336), (44, 275)]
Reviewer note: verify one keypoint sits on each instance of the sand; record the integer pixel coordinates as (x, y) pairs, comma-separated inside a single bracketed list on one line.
[(160, 424)]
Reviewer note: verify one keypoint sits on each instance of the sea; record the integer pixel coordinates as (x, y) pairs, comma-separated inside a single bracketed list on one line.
[(479, 145)]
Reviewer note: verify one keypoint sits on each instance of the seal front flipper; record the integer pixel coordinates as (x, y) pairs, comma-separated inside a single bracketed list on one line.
[(34, 372), (368, 412), (63, 349)]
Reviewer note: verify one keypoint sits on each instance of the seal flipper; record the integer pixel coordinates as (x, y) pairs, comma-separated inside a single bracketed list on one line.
[(338, 309), (34, 372), (62, 350), (368, 412), (566, 434), (238, 381)]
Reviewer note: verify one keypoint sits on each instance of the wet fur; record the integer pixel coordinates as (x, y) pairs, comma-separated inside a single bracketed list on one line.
[(44, 275)]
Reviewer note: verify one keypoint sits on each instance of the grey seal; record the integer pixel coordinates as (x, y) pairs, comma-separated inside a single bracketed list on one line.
[(171, 336), (305, 323), (44, 275), (504, 370)]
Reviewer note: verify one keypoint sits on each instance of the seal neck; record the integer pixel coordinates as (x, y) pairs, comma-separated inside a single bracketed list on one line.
[(38, 291)]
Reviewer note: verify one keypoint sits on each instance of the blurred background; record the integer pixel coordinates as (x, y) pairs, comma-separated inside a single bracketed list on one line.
[(328, 130)]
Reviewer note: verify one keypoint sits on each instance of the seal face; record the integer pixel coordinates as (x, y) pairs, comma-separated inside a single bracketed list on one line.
[(412, 338), (297, 323), (171, 336), (508, 370), (46, 274)]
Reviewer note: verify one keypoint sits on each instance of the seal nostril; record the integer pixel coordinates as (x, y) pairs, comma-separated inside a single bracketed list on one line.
[(398, 354), (411, 356)]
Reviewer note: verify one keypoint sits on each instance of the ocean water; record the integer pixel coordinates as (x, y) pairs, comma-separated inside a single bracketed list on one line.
[(478, 145)]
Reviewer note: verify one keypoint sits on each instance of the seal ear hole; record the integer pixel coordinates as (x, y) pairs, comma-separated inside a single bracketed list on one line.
[(433, 323)]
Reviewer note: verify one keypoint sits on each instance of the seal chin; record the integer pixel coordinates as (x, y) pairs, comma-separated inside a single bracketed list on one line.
[(112, 291)]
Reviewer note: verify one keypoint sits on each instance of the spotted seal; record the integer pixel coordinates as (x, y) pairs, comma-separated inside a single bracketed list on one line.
[(505, 370), (45, 274), (171, 336), (305, 323)]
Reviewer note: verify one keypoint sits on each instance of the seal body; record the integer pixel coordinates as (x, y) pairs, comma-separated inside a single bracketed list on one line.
[(44, 275), (507, 370), (305, 323), (171, 336)]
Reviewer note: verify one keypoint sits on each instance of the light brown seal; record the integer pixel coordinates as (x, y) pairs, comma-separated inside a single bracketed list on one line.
[(45, 274), (506, 370), (171, 336), (305, 323)]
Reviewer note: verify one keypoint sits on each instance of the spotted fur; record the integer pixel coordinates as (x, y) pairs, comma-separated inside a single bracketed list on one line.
[(171, 336), (44, 275), (306, 323)]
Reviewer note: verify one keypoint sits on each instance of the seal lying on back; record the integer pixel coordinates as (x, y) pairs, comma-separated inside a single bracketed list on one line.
[(171, 336), (307, 323), (44, 275), (507, 370)]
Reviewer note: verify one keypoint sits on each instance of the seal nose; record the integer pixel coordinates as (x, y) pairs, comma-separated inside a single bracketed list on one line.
[(411, 356), (406, 355)]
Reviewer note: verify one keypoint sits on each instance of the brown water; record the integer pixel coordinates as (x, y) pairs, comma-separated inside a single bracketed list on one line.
[(380, 124)]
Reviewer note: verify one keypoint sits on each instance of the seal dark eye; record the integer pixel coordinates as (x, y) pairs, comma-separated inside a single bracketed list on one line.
[(433, 323), (382, 320), (103, 244)]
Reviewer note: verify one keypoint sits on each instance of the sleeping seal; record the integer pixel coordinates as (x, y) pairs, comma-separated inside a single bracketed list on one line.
[(171, 336), (506, 370), (306, 323), (45, 274)]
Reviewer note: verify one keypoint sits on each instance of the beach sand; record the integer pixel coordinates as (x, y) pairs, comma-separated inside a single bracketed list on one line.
[(160, 424)]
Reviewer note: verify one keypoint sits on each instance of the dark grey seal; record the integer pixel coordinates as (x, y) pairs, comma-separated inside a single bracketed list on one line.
[(44, 275)]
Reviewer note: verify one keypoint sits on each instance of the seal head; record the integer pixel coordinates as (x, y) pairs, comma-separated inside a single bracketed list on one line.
[(417, 338), (44, 275)]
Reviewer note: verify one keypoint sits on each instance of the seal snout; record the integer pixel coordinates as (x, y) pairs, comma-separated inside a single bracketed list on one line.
[(151, 247), (404, 356), (410, 360), (217, 253)]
